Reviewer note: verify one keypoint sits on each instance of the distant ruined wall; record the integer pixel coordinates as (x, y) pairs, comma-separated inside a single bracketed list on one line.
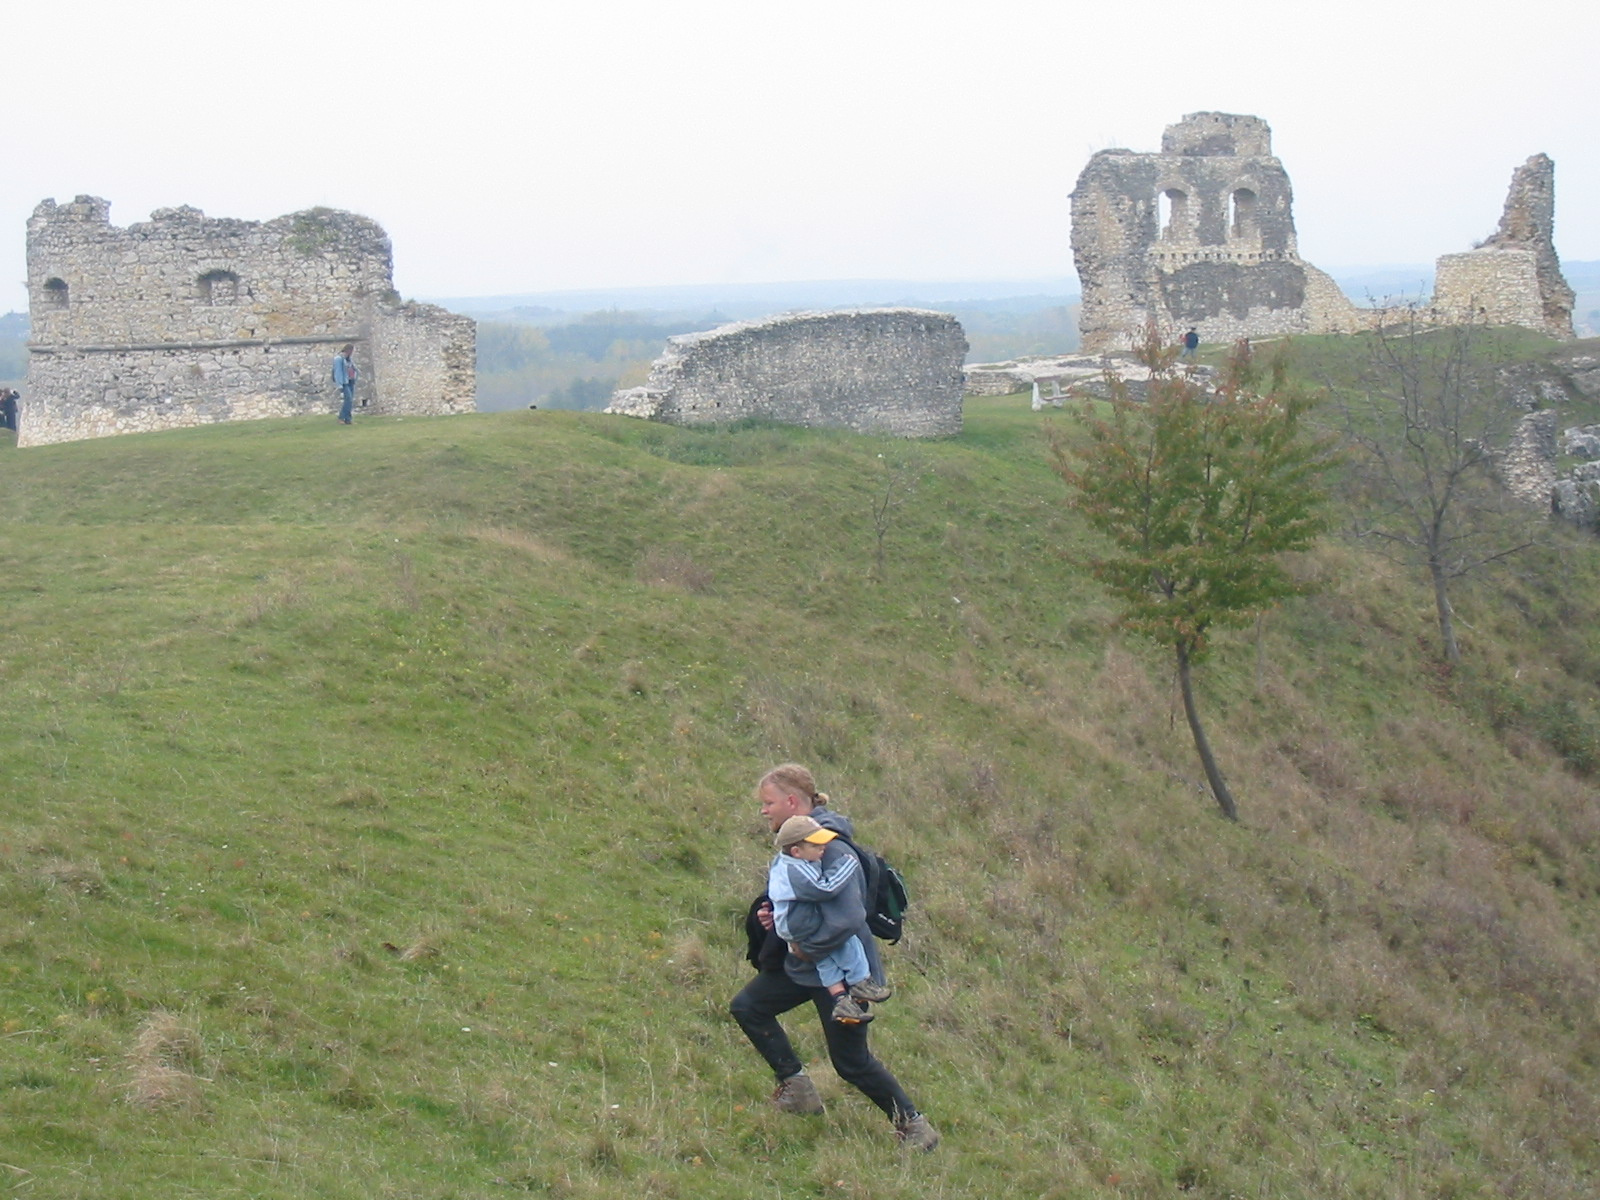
[(186, 320), (895, 371), (1200, 235), (1514, 278)]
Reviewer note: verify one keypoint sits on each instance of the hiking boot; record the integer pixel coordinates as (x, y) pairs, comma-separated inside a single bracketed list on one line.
[(871, 991), (848, 1011), (798, 1095), (917, 1134)]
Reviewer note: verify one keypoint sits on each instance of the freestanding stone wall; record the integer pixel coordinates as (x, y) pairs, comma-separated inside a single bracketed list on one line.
[(1514, 278), (1200, 235), (186, 319), (890, 370)]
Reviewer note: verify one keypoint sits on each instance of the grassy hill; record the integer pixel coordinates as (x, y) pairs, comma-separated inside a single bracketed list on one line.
[(376, 822)]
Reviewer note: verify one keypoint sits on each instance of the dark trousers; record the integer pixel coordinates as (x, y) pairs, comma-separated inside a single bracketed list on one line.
[(772, 993)]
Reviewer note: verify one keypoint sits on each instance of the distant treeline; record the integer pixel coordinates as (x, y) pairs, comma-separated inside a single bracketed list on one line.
[(996, 334), (13, 347), (577, 365)]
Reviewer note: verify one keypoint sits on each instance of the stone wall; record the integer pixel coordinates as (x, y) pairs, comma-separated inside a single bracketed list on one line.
[(895, 371), (186, 320), (1514, 278), (1491, 286), (1527, 465), (1200, 235), (424, 360)]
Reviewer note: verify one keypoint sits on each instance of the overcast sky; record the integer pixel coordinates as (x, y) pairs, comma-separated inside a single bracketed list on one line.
[(528, 145)]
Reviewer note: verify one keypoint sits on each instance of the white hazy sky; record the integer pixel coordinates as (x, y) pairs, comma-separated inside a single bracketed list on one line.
[(528, 145)]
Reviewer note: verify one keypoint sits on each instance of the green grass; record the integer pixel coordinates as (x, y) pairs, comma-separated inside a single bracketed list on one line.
[(377, 822)]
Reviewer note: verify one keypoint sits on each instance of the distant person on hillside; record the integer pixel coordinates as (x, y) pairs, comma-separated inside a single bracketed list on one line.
[(344, 374), (1191, 343), (785, 979), (806, 898), (8, 408)]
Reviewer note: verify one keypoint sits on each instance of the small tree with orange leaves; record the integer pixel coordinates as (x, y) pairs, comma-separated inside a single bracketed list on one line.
[(1202, 493)]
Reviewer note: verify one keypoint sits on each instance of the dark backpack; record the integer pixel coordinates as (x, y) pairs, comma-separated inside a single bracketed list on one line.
[(886, 896)]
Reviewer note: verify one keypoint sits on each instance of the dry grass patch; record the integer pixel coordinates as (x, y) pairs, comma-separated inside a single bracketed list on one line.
[(690, 959), (163, 1065), (79, 878), (421, 951), (516, 539)]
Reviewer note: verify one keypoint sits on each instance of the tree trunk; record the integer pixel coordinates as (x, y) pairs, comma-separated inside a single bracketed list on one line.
[(1441, 602), (1219, 787), (1261, 652)]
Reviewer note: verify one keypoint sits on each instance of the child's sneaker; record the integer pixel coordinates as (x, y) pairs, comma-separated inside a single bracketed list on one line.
[(871, 991), (847, 1011)]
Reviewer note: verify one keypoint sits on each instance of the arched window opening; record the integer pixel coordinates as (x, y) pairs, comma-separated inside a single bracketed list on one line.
[(219, 287), (1172, 207), (1242, 213), (55, 293)]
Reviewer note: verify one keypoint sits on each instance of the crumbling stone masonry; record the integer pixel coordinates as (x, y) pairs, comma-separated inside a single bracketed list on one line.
[(1200, 235), (187, 319), (886, 370), (1513, 278)]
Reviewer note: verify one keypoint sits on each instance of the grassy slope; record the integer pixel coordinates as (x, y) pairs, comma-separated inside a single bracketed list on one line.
[(376, 822)]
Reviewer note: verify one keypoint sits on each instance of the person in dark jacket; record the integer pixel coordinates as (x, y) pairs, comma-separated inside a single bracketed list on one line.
[(785, 980)]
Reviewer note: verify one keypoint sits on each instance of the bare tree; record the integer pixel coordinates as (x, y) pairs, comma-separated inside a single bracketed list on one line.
[(1424, 424), (899, 484)]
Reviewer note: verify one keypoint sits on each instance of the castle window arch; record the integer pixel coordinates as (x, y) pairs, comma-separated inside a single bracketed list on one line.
[(55, 293), (1172, 210), (1242, 214), (218, 287)]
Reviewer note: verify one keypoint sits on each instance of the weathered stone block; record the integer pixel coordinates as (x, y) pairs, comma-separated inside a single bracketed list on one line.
[(895, 371)]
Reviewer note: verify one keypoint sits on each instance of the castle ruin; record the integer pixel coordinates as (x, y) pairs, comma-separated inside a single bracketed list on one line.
[(1198, 236), (887, 370), (187, 320), (1514, 277), (1201, 236)]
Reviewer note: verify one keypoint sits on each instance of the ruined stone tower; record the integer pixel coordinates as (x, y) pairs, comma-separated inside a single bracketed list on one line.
[(1200, 235), (187, 319), (1513, 278)]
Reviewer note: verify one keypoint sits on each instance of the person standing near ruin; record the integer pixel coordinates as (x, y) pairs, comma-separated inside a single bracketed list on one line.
[(8, 408), (344, 374), (785, 980), (1191, 343)]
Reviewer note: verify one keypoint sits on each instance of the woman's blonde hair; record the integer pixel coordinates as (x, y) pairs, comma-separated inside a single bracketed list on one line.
[(793, 780)]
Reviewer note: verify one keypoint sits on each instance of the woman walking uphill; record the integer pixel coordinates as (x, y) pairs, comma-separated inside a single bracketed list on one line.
[(786, 979)]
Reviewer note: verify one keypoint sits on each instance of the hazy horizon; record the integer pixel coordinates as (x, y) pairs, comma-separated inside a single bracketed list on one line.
[(533, 147)]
